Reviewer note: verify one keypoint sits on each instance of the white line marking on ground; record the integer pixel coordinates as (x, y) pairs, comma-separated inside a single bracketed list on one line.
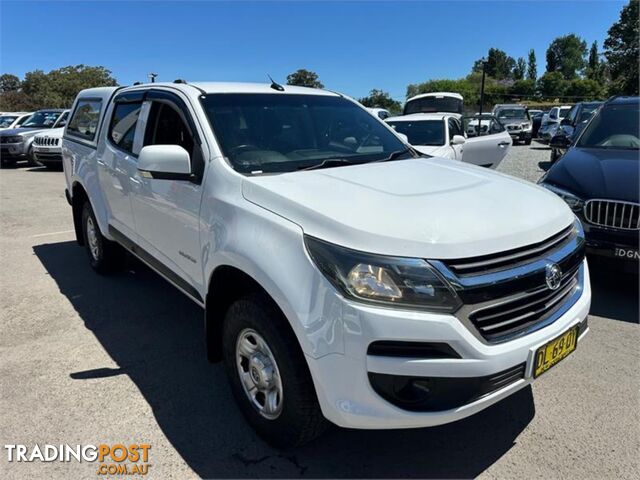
[(52, 233)]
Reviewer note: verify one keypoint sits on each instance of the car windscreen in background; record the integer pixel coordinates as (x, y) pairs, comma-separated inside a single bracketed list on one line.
[(433, 104), (424, 132)]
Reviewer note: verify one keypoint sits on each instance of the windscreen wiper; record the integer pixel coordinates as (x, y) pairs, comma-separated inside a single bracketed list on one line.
[(329, 162), (395, 155)]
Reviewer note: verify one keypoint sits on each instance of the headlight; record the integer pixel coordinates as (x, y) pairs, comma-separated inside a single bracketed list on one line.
[(525, 126), (574, 202), (14, 139), (406, 282)]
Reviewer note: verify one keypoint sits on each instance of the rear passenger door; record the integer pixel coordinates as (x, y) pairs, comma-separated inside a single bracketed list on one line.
[(166, 210), (117, 160)]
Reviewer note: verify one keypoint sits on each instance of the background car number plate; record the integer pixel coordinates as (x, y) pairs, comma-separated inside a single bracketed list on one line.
[(554, 351)]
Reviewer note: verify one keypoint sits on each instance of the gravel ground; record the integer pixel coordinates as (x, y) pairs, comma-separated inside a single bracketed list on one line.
[(90, 359)]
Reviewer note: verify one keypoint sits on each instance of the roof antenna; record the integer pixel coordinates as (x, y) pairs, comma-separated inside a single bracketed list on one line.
[(274, 85)]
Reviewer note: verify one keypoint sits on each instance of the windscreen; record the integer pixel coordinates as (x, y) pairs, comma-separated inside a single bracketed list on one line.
[(279, 132), (6, 120), (613, 127), (41, 119), (424, 132), (434, 104), (512, 113)]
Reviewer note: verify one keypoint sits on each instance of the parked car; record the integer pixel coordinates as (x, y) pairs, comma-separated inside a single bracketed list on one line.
[(598, 177), (551, 122), (47, 148), (536, 121), (442, 135), (381, 113), (516, 120), (16, 143), (10, 120), (436, 102), (342, 276), (570, 127)]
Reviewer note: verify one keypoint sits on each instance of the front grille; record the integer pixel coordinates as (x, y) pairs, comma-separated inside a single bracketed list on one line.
[(506, 295), (46, 141), (613, 214), (518, 313), (506, 260)]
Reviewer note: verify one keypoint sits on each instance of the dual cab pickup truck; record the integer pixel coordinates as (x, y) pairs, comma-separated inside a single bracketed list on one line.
[(344, 277)]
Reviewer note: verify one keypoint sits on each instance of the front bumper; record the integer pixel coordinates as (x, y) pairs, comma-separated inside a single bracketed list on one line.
[(342, 382), (48, 156), (12, 151), (613, 244), (521, 135)]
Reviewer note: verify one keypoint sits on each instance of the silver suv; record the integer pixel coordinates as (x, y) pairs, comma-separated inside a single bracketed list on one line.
[(516, 120)]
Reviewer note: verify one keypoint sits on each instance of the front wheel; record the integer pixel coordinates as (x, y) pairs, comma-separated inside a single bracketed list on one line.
[(268, 374), (105, 256), (527, 141)]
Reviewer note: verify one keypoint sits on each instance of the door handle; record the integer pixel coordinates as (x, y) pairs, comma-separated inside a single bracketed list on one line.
[(503, 144)]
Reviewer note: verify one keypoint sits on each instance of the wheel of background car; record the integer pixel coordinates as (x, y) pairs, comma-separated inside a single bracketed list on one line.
[(268, 374)]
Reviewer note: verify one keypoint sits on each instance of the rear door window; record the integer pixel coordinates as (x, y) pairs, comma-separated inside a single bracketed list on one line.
[(84, 121)]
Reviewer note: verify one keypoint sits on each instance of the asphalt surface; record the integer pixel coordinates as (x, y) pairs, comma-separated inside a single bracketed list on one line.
[(87, 359)]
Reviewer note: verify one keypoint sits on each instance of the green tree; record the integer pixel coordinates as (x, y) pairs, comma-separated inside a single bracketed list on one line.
[(520, 69), (524, 88), (532, 69), (381, 99), (304, 78), (9, 83), (593, 64), (584, 89), (567, 55), (552, 85), (622, 51), (499, 65)]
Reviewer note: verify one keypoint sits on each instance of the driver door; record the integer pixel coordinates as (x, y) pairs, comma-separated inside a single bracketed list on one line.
[(489, 144)]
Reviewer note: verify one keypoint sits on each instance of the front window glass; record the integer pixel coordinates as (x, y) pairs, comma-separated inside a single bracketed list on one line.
[(564, 112), (587, 111), (280, 132), (512, 113), (6, 120), (422, 132), (613, 127), (42, 119)]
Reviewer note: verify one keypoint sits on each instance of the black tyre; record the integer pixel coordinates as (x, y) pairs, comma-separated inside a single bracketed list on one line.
[(554, 156), (527, 141), (31, 158), (7, 163), (105, 256), (268, 374)]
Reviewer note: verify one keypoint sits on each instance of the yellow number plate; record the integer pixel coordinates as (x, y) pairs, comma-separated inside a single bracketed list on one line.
[(554, 351)]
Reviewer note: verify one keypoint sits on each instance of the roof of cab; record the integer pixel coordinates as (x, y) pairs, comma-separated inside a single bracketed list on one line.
[(436, 94), (420, 116), (221, 87)]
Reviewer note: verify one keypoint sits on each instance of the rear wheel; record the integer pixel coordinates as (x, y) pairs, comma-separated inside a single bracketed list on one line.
[(268, 374), (105, 256), (7, 163)]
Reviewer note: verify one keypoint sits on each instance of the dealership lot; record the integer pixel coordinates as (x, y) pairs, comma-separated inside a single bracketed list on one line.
[(89, 359)]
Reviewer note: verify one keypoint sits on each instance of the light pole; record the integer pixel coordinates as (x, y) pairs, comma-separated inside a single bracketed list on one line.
[(484, 64), (152, 77)]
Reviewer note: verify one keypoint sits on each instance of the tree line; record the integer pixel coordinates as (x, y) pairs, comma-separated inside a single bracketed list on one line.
[(572, 73)]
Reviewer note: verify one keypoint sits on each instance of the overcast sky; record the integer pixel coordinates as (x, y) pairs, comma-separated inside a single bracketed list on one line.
[(353, 46)]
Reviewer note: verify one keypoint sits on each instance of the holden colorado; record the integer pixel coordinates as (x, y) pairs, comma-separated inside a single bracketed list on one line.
[(344, 278)]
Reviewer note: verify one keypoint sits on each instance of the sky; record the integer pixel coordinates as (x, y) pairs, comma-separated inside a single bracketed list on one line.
[(353, 46)]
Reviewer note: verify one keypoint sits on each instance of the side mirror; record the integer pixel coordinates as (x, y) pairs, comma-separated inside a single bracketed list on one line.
[(403, 137), (165, 162), (457, 140)]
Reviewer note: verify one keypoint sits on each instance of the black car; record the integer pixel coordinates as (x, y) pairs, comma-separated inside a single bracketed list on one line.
[(599, 179), (536, 121), (570, 127)]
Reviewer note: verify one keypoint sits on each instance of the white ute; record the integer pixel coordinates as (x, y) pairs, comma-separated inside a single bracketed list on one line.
[(342, 276)]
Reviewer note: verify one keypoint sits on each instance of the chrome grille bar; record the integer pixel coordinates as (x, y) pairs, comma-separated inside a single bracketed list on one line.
[(613, 214)]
